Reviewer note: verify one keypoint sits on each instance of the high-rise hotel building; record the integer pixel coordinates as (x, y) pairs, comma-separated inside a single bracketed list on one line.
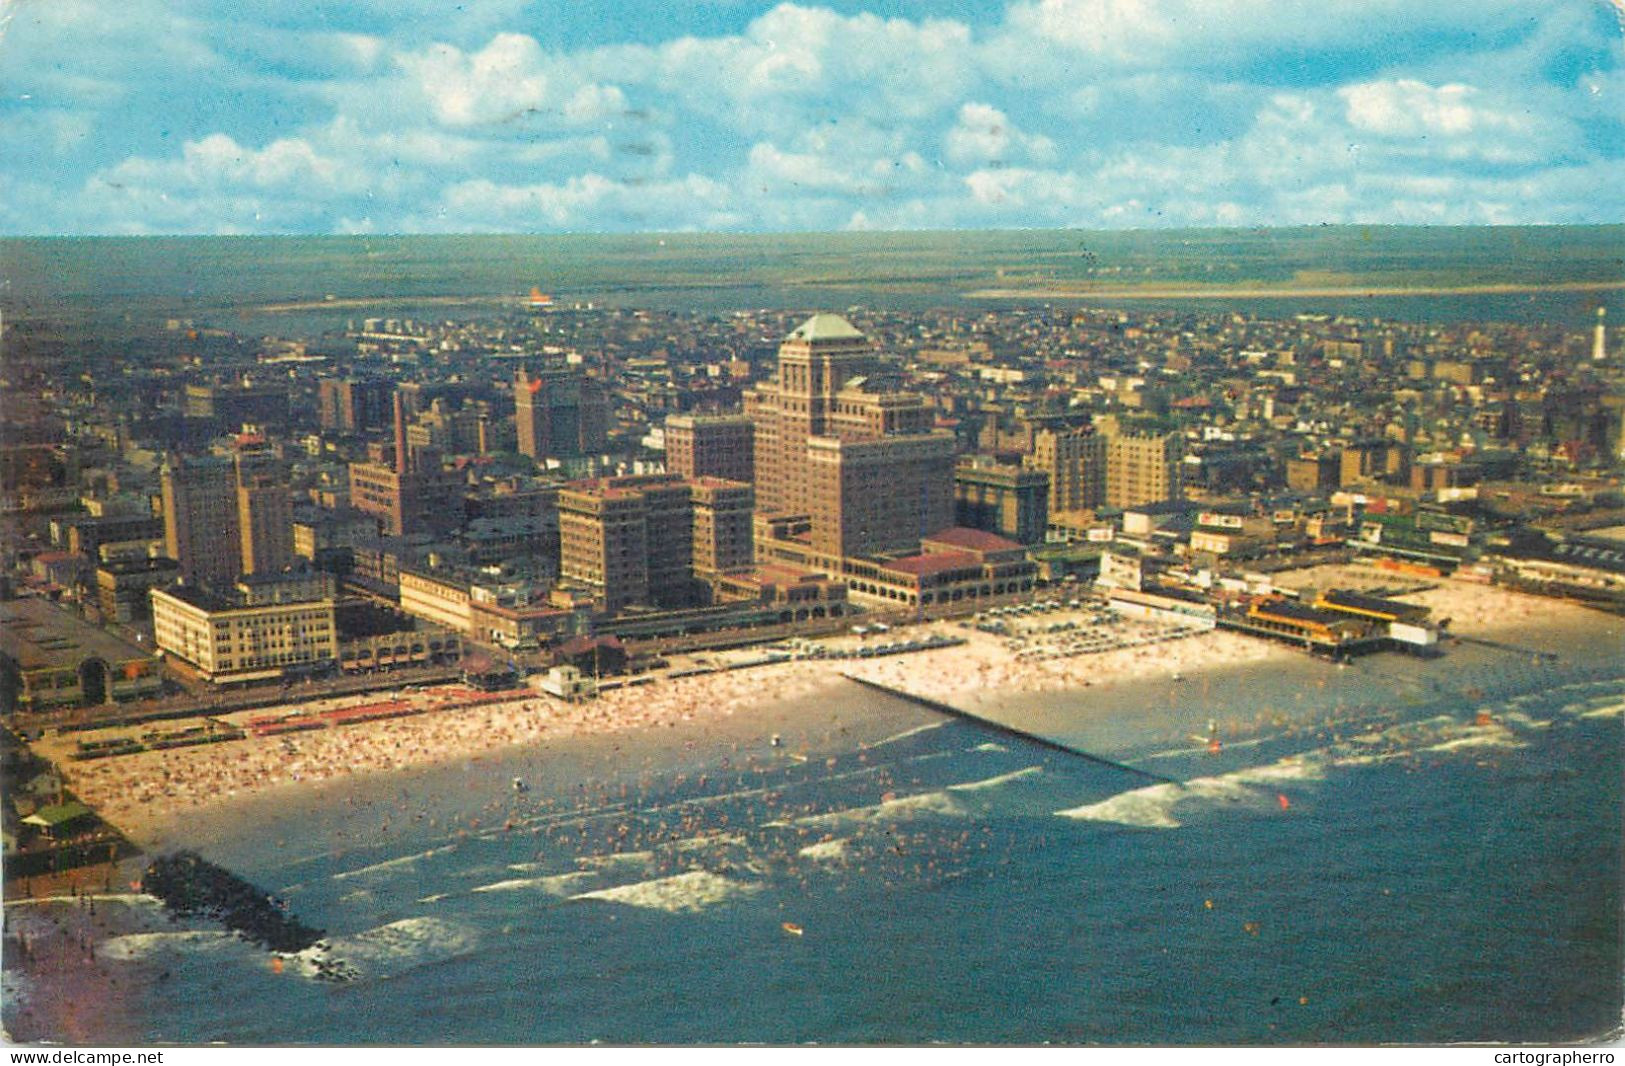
[(264, 513), (200, 518), (836, 443), (1075, 460), (653, 539), (711, 446), (1143, 467)]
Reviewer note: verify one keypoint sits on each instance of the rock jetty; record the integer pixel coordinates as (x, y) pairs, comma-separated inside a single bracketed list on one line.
[(188, 884)]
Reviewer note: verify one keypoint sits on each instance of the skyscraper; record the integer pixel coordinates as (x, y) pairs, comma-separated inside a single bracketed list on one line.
[(879, 495), (1075, 460), (560, 413), (647, 539), (351, 406), (1143, 468), (200, 518), (815, 361), (264, 513), (837, 442), (711, 446)]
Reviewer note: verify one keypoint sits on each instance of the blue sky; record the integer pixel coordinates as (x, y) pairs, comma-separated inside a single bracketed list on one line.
[(422, 116)]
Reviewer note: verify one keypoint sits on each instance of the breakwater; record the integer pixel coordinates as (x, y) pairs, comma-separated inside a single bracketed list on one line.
[(1012, 731), (188, 884)]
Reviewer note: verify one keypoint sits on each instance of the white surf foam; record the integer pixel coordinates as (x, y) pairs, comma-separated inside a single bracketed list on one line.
[(1599, 700), (552, 885), (943, 802), (707, 841), (826, 850), (1494, 738), (939, 803), (397, 947), (995, 782), (685, 893), (905, 734), (1523, 721), (1309, 766), (391, 864), (136, 900), (133, 947), (989, 746), (1152, 807), (630, 861)]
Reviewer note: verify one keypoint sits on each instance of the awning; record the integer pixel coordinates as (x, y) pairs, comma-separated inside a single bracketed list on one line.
[(57, 815)]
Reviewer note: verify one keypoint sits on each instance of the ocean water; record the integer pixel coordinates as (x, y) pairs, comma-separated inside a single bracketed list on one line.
[(1373, 864)]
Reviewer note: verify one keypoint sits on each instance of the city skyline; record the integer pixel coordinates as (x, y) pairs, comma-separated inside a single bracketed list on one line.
[(851, 114)]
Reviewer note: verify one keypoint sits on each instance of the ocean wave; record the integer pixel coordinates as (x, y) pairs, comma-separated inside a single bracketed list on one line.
[(1309, 766), (133, 947), (685, 893), (995, 782), (1611, 710), (988, 746), (1152, 807), (634, 861), (527, 867), (391, 864), (1374, 759), (395, 948), (944, 802), (938, 803), (905, 734), (826, 850), (1490, 738), (563, 885), (706, 841)]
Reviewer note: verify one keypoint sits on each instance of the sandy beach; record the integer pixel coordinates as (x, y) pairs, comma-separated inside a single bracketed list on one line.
[(141, 791)]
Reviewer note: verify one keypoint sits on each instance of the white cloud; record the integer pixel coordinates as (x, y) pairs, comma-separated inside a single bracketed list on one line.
[(853, 160), (501, 82), (593, 102), (584, 201), (1068, 112), (984, 134), (1216, 33), (799, 64), (1409, 108), (217, 161)]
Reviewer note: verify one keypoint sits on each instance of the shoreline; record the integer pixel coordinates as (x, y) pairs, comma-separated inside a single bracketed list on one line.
[(151, 795), (1291, 293)]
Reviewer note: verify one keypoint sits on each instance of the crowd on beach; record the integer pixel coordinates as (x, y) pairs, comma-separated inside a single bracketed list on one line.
[(132, 791), (136, 790)]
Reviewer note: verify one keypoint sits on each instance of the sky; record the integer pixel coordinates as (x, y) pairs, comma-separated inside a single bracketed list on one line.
[(437, 116)]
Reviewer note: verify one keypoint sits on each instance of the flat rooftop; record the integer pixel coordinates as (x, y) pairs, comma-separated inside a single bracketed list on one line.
[(1372, 604), (38, 635)]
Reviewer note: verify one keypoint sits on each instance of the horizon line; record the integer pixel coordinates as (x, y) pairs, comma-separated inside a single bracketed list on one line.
[(1263, 228)]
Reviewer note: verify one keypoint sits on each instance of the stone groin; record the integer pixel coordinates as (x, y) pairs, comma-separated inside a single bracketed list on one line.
[(189, 885)]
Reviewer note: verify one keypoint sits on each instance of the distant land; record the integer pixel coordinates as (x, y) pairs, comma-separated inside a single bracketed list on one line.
[(1236, 292), (1518, 273)]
